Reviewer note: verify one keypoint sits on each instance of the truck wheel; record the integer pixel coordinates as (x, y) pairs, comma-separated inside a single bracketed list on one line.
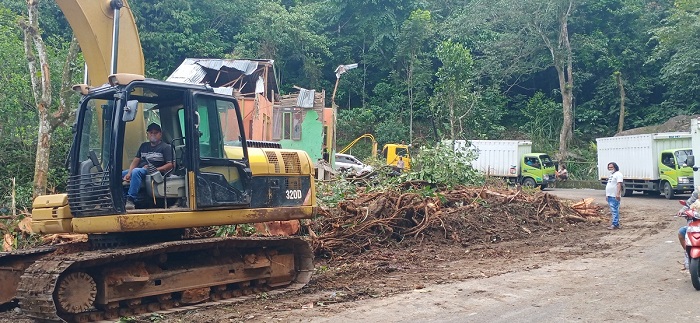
[(626, 191), (668, 191), (695, 272), (529, 183)]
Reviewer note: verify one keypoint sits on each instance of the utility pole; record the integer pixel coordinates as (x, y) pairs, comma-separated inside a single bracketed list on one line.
[(338, 72)]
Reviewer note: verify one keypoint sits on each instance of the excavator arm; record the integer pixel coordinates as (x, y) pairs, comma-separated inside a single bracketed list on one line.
[(368, 136), (92, 22)]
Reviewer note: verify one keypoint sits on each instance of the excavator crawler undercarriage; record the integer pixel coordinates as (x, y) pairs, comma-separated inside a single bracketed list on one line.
[(88, 286)]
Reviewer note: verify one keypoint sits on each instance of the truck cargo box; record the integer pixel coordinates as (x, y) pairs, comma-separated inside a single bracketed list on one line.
[(638, 155), (499, 158)]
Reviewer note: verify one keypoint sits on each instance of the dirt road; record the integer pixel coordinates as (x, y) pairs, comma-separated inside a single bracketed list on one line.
[(584, 273), (637, 279)]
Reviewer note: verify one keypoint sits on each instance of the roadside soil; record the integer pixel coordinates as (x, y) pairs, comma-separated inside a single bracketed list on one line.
[(515, 268)]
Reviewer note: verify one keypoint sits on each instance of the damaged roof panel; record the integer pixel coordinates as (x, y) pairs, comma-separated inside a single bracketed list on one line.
[(188, 73), (245, 66), (240, 74)]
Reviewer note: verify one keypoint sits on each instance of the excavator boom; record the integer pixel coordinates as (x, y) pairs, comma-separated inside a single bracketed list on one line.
[(92, 24), (368, 136)]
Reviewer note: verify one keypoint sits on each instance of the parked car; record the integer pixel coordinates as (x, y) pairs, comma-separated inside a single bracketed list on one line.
[(345, 162)]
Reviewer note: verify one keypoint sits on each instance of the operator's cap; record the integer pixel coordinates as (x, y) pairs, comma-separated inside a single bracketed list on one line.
[(153, 126)]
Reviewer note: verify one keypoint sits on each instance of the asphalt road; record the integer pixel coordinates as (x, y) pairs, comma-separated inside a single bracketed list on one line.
[(637, 280)]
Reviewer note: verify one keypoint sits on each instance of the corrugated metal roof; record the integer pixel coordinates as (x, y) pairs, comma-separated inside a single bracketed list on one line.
[(306, 98), (188, 73), (245, 75), (193, 70), (245, 66)]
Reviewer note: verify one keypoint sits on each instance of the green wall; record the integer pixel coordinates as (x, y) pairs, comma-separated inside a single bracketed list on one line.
[(311, 136)]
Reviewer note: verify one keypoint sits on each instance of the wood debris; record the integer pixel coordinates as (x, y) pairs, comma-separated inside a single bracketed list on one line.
[(586, 208), (464, 215), (8, 242)]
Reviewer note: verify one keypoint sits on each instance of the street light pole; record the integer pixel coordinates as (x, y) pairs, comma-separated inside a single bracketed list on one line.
[(338, 72)]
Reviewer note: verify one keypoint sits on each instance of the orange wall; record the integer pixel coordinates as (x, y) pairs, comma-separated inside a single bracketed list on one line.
[(262, 125), (328, 124)]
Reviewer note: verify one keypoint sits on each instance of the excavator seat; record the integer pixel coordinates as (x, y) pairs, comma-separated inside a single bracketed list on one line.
[(170, 186), (173, 183)]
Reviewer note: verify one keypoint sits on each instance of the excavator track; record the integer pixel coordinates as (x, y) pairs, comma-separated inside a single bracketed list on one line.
[(93, 286), (12, 265)]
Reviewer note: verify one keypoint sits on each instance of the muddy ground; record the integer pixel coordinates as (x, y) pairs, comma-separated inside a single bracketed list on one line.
[(542, 270)]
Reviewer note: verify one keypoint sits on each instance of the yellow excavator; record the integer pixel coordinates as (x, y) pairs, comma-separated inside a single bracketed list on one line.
[(147, 259), (390, 152)]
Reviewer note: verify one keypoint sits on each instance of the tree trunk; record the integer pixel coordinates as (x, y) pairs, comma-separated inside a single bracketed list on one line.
[(41, 90), (451, 106), (409, 76), (564, 68), (566, 133), (621, 121)]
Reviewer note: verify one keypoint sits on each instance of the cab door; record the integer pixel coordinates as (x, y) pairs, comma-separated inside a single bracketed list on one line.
[(219, 170)]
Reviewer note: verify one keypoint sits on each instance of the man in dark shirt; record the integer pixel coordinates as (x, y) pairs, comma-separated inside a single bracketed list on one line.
[(152, 156)]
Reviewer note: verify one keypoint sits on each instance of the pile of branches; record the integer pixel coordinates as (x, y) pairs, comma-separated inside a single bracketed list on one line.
[(464, 215)]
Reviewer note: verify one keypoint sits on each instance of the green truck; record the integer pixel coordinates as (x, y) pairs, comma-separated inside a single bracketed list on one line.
[(658, 163)]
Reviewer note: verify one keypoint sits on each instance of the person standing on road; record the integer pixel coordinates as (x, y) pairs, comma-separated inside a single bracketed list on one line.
[(613, 191)]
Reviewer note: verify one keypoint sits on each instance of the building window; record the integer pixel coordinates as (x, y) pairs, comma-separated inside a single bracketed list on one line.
[(296, 125), (287, 125)]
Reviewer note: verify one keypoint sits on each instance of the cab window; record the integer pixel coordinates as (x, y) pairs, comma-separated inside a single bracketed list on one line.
[(668, 160), (532, 161)]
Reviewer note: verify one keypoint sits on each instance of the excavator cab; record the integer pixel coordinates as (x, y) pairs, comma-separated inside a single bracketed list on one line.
[(195, 122), (392, 152)]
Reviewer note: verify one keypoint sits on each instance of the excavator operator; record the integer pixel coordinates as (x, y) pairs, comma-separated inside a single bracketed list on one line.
[(152, 156)]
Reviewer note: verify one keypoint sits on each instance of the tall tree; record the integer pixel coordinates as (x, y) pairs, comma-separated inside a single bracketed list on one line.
[(454, 85), (679, 50), (612, 36), (563, 61), (292, 37), (621, 85), (412, 54), (40, 75), (512, 40)]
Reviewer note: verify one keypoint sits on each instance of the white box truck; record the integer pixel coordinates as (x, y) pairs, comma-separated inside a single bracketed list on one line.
[(512, 160), (651, 163), (695, 145)]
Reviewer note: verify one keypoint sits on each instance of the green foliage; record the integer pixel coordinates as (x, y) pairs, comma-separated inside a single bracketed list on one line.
[(291, 36), (680, 55), (544, 119), (156, 317), (442, 165), (330, 193), (454, 99), (20, 239), (467, 70), (244, 230)]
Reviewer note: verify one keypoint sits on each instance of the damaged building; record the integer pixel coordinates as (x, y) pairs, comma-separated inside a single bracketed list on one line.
[(297, 121)]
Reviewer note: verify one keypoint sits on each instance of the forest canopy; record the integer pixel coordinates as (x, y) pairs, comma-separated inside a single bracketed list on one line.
[(428, 70)]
